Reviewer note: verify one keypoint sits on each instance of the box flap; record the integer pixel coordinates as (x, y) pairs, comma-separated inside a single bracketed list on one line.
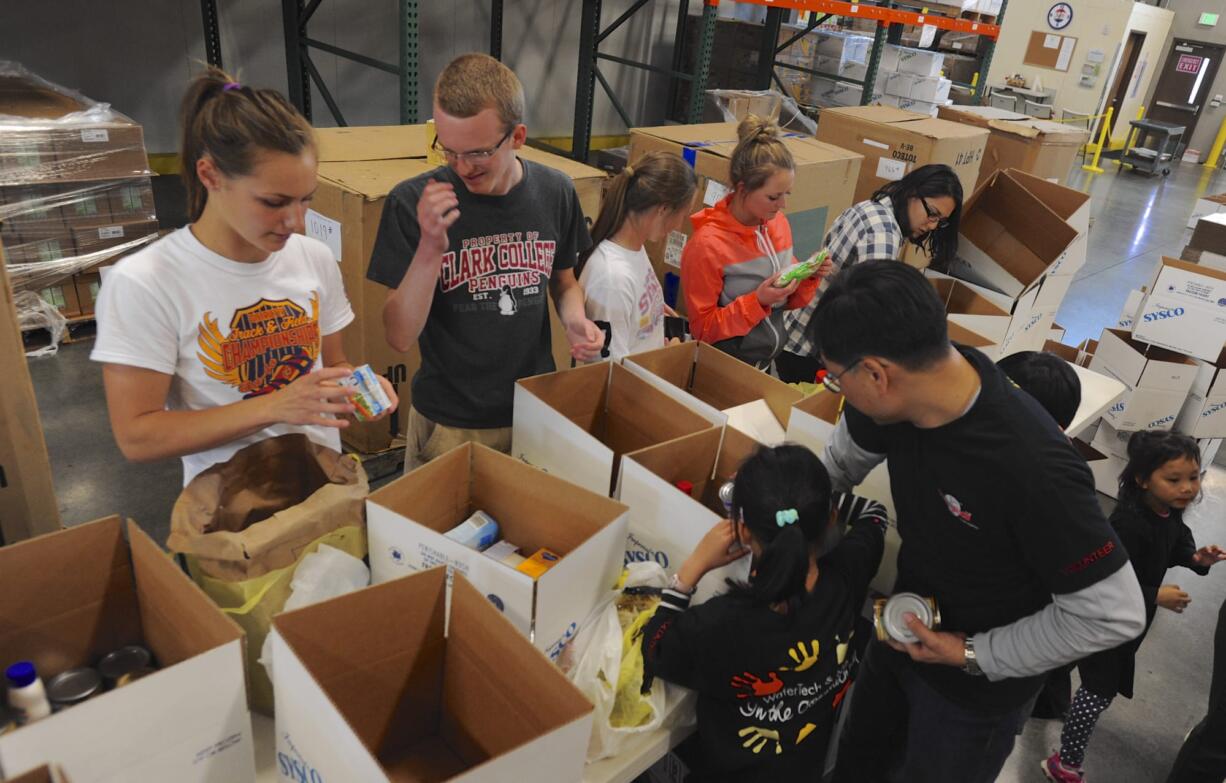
[(372, 142), (692, 135), (378, 655), (687, 458), (879, 114), (944, 129), (579, 394), (640, 415), (373, 179), (962, 299), (1066, 352), (809, 150), (1064, 201)]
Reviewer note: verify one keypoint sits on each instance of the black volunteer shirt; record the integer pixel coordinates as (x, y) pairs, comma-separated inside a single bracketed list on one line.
[(488, 324), (997, 512)]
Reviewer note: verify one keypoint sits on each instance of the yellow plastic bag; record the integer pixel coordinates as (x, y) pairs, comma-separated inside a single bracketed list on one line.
[(632, 708)]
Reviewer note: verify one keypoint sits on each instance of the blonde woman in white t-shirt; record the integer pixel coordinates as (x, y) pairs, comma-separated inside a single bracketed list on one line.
[(645, 202), (228, 331)]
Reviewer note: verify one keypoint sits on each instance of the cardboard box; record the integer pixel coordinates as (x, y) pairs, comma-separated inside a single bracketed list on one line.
[(1072, 206), (934, 89), (921, 62), (926, 108), (900, 84), (44, 774), (396, 683), (665, 522), (87, 285), (1209, 447), (576, 424), (407, 519), (1043, 148), (1132, 306), (358, 168), (1210, 233), (1106, 468), (711, 382), (969, 309), (1204, 412), (960, 68), (895, 142), (964, 336), (73, 596), (1185, 310), (63, 297), (1111, 441), (1158, 381), (132, 198), (26, 493), (1203, 257), (682, 140), (97, 238), (1207, 206)]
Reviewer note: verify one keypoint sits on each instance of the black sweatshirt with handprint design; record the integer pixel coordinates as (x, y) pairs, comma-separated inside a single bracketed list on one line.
[(769, 685)]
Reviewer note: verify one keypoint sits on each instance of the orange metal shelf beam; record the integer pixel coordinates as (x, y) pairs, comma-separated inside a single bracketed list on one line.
[(883, 15)]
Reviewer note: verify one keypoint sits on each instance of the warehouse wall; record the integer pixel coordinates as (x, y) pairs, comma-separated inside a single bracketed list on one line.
[(138, 54), (1187, 12), (1097, 24), (1156, 24)]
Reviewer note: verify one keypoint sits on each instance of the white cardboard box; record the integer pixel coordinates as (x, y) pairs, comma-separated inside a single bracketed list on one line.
[(920, 62), (1110, 441), (1132, 306), (71, 597), (918, 106), (1158, 381), (665, 522), (406, 522), (1204, 412), (712, 383), (1106, 468), (1207, 206), (1030, 315), (1185, 310), (934, 89), (1070, 205), (397, 683), (900, 84), (577, 423)]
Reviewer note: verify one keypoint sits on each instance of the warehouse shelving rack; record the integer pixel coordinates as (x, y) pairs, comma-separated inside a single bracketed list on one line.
[(887, 16)]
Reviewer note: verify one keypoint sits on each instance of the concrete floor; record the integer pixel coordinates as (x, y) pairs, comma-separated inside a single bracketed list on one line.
[(1136, 220)]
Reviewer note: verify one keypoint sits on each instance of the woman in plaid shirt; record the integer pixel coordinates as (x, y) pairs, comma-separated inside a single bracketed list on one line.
[(923, 206)]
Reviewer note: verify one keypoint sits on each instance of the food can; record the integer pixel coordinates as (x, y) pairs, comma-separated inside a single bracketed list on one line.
[(888, 616), (120, 662), (73, 687), (132, 676), (725, 496)]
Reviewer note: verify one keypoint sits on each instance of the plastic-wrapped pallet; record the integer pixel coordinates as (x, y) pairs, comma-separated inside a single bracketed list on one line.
[(75, 184)]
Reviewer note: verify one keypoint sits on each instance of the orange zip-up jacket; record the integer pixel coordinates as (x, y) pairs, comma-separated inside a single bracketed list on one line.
[(722, 265)]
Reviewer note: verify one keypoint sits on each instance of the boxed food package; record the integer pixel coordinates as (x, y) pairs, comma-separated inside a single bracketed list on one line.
[(408, 521), (895, 142), (410, 681), (187, 721), (576, 424), (1043, 148), (1158, 381), (1185, 309)]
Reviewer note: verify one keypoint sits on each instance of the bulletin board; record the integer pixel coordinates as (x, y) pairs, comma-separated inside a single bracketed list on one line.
[(1050, 50)]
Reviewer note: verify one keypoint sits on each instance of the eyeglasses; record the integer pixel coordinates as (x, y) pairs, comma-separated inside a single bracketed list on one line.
[(831, 382), (476, 156), (934, 214)]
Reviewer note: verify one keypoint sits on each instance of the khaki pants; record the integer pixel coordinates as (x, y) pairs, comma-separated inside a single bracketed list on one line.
[(427, 439)]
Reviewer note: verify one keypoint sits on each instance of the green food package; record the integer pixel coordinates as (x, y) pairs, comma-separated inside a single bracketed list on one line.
[(802, 270)]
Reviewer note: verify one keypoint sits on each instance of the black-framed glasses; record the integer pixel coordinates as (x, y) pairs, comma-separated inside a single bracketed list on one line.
[(831, 382), (475, 156), (934, 214)]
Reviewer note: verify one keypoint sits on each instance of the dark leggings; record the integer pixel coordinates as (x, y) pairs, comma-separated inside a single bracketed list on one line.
[(1079, 725)]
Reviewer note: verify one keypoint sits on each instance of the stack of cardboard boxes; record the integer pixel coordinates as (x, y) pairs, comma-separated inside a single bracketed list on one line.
[(74, 189), (1207, 205), (913, 79), (1043, 148), (841, 59)]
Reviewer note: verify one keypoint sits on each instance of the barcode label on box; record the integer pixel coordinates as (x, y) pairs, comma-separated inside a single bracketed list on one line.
[(715, 193), (326, 230), (110, 232), (95, 135), (891, 169), (672, 250)]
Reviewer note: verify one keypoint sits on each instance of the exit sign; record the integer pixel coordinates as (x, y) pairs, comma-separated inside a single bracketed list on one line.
[(1208, 20)]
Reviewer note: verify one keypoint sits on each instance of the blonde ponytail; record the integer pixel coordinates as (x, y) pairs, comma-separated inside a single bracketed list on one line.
[(759, 153)]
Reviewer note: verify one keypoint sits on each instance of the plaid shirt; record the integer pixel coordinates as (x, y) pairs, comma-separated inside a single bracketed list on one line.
[(864, 232)]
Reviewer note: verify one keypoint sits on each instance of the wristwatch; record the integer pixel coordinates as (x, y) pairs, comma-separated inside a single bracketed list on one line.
[(971, 666), (675, 585)]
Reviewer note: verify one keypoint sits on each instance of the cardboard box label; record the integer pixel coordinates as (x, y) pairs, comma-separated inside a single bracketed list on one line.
[(95, 135), (1185, 310), (891, 169), (110, 232), (672, 251), (715, 193), (326, 230)]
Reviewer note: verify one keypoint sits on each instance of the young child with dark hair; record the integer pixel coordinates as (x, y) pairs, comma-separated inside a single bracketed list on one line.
[(771, 659)]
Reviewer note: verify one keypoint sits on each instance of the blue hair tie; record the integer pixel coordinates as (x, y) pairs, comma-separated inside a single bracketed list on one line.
[(786, 517)]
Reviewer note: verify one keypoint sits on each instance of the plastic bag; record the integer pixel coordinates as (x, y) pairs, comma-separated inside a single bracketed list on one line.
[(34, 312), (735, 105), (608, 669), (325, 573)]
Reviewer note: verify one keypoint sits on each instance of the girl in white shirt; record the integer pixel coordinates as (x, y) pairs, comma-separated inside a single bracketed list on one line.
[(645, 202), (228, 331)]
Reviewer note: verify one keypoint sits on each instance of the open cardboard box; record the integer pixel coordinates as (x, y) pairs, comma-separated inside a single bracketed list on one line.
[(1072, 206), (1106, 468), (1098, 392), (1043, 148), (720, 387), (577, 423), (966, 336), (71, 597), (388, 684), (811, 424), (1204, 412), (665, 522), (44, 774), (1158, 381), (1185, 310), (969, 309), (407, 520)]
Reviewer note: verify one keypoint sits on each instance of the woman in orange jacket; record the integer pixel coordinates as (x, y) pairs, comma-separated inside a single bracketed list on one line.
[(739, 247)]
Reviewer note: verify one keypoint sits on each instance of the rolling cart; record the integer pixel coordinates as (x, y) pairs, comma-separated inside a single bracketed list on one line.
[(1153, 146)]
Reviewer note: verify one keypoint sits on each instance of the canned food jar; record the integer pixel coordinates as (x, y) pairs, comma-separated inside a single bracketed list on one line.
[(116, 664), (888, 616), (725, 496), (73, 687)]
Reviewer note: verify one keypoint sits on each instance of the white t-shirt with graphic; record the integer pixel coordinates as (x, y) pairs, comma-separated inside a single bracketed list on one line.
[(620, 287), (225, 330)]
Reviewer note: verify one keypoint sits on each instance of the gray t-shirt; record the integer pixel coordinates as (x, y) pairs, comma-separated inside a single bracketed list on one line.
[(488, 324)]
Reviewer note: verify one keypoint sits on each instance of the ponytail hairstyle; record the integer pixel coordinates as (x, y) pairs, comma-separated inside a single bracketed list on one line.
[(232, 124), (759, 153), (931, 181), (659, 179), (1149, 450), (782, 494)]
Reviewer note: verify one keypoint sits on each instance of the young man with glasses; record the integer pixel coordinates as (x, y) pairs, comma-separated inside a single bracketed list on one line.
[(999, 523), (469, 251), (922, 208)]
